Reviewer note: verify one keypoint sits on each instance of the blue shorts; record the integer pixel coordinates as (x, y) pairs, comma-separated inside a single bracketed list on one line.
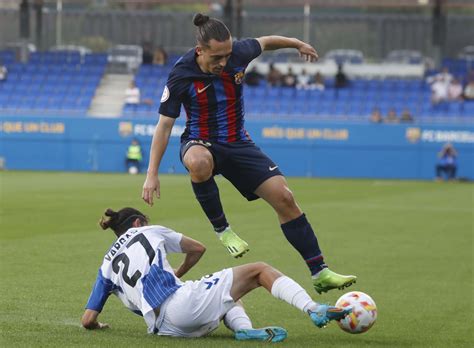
[(242, 163)]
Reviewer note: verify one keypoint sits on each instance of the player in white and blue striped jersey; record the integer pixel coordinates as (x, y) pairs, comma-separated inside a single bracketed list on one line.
[(137, 271)]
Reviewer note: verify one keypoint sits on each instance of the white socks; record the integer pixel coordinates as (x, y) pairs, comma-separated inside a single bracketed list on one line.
[(236, 319), (286, 289)]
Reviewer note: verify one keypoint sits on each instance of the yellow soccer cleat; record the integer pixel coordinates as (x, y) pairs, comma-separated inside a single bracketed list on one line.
[(328, 280), (233, 243)]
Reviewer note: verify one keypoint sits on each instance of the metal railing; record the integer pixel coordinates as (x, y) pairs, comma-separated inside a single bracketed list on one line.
[(373, 34)]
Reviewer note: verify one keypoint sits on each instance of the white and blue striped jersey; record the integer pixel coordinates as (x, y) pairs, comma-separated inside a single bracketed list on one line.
[(136, 270)]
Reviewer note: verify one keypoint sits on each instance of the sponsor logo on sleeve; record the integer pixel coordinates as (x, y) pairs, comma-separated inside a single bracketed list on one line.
[(165, 95)]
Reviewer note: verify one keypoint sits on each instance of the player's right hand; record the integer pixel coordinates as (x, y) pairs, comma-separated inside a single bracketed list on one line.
[(151, 185)]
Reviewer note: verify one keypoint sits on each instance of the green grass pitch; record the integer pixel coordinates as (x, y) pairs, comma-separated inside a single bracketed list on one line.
[(410, 243)]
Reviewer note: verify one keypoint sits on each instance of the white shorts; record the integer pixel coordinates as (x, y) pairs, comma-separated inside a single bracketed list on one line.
[(197, 307)]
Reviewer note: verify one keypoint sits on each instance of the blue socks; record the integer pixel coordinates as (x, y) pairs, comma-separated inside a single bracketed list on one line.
[(207, 194), (300, 234), (298, 231)]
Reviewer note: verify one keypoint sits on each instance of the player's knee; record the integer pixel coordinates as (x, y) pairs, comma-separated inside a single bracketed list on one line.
[(265, 275), (262, 266), (199, 165), (286, 198)]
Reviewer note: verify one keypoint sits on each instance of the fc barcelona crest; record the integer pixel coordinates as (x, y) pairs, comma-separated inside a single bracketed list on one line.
[(125, 129), (239, 77)]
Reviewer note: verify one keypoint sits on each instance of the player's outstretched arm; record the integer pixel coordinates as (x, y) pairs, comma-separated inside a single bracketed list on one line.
[(157, 150), (193, 250), (89, 320), (275, 42)]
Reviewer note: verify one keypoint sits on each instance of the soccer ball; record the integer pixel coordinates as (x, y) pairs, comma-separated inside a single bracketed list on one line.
[(363, 315), (133, 170)]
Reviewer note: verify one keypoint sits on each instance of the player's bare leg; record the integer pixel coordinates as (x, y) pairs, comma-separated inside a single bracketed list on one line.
[(200, 164), (300, 234), (251, 276)]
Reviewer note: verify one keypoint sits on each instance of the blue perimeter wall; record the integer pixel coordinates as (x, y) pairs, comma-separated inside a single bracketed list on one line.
[(299, 148)]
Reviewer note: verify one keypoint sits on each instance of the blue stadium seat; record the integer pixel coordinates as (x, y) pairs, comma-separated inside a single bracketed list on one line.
[(468, 109), (14, 69), (273, 92), (74, 91), (4, 99), (339, 109), (317, 94), (96, 59), (83, 102), (299, 99), (58, 80), (7, 57), (287, 92), (32, 90)]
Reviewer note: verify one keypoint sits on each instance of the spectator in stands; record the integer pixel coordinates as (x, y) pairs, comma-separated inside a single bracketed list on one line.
[(253, 77), (340, 78), (303, 80), (147, 54), (160, 57), (439, 91), (440, 85), (318, 82), (132, 95), (444, 75), (274, 76), (376, 116), (3, 72), (469, 90), (406, 116), (455, 92), (134, 157), (289, 79), (447, 162), (392, 117)]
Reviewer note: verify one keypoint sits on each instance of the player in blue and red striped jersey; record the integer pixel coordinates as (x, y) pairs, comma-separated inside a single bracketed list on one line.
[(208, 82)]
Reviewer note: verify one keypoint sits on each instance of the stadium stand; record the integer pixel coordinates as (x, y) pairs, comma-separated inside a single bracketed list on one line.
[(459, 67), (354, 102), (59, 82), (64, 82)]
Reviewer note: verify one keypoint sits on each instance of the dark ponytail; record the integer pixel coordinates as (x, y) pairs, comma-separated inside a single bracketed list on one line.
[(106, 223), (209, 28), (122, 220)]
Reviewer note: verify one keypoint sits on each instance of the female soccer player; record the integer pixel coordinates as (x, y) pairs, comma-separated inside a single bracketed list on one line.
[(208, 82), (136, 270)]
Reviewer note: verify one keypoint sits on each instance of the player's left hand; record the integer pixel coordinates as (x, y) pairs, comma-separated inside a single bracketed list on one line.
[(308, 53)]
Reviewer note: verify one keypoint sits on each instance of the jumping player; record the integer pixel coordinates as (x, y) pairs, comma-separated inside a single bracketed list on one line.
[(137, 271), (208, 82)]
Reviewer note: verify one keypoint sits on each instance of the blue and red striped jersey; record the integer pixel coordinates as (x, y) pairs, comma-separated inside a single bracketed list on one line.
[(214, 104)]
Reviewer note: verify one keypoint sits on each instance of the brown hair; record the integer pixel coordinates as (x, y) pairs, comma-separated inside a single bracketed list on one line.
[(120, 221), (210, 28)]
